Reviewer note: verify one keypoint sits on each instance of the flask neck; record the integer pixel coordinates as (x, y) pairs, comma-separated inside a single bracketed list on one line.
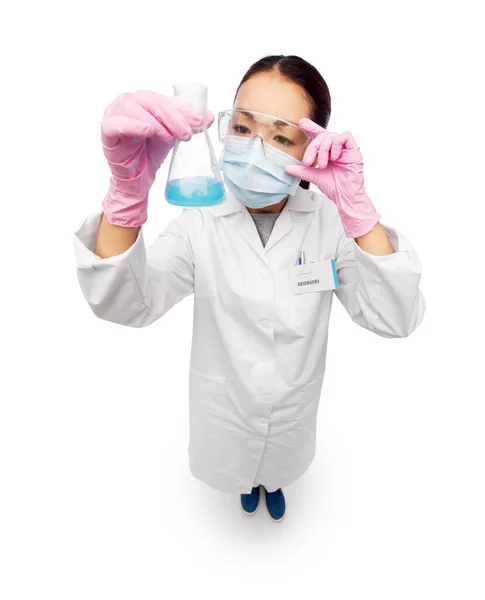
[(195, 93)]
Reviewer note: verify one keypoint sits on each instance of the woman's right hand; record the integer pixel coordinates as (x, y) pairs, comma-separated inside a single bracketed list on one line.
[(138, 131)]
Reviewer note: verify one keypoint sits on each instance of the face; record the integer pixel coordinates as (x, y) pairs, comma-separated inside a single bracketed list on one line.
[(270, 93)]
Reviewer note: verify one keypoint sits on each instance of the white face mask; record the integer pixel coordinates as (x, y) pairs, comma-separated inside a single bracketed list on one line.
[(257, 176)]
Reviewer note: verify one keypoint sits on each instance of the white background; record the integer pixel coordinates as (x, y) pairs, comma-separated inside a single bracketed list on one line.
[(97, 500)]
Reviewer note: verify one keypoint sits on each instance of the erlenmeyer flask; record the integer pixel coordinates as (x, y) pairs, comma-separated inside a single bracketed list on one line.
[(194, 178)]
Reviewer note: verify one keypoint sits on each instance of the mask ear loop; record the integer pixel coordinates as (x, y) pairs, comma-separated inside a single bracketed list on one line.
[(221, 116)]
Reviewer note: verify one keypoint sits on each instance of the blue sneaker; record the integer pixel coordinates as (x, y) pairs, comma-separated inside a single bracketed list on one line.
[(250, 502), (276, 505)]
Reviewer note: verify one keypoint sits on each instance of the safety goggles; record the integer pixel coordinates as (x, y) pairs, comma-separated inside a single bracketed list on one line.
[(251, 124)]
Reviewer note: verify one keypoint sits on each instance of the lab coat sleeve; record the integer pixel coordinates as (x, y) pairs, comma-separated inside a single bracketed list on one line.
[(140, 285), (381, 293)]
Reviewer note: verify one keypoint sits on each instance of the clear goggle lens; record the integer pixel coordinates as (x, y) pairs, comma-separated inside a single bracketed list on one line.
[(248, 125)]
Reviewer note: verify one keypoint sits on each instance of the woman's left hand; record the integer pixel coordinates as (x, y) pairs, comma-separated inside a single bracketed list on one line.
[(339, 176)]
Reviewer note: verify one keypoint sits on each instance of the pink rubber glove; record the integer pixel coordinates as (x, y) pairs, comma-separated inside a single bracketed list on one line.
[(339, 176), (138, 131)]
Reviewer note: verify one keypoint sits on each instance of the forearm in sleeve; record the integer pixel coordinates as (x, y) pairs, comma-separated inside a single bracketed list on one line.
[(138, 285)]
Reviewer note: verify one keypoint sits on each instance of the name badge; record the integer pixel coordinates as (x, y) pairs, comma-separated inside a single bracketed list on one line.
[(314, 277)]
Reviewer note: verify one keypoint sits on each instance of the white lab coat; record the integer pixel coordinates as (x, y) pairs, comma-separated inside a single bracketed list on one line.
[(258, 351)]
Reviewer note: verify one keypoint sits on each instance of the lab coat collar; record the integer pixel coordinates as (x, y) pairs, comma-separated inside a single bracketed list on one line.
[(301, 201)]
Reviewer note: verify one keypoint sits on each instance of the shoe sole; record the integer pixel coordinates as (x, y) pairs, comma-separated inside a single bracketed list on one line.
[(250, 514)]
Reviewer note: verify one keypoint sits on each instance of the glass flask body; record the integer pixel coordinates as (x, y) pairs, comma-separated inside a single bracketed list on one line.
[(194, 178)]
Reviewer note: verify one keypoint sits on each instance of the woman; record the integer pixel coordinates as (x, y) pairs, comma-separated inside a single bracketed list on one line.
[(260, 320)]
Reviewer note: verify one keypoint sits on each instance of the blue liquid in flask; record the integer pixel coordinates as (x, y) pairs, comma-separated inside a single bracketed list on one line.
[(195, 191)]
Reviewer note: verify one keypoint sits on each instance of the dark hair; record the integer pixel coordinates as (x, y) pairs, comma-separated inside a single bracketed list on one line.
[(305, 75)]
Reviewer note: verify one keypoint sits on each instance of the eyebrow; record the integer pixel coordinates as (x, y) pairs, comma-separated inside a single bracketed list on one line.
[(277, 123), (248, 114)]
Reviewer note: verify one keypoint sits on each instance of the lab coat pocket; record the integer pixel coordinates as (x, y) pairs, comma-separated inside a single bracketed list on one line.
[(208, 413), (307, 311), (310, 399)]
